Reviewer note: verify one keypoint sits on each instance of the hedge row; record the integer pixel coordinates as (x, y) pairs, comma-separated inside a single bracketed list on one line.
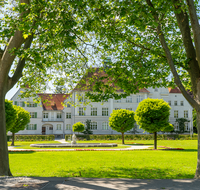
[(133, 137), (34, 137)]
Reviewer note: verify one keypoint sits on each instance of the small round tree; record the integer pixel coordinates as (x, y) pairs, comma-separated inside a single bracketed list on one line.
[(153, 116), (78, 127), (23, 118), (122, 121)]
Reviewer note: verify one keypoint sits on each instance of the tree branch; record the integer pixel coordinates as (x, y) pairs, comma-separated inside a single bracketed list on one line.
[(21, 63), (183, 23), (177, 80), (195, 27)]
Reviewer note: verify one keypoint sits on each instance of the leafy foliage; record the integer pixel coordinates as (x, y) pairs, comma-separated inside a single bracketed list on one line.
[(78, 127), (87, 128), (122, 121), (181, 124), (11, 115), (153, 115)]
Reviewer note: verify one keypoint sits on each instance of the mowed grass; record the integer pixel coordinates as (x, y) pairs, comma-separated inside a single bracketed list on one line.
[(142, 164)]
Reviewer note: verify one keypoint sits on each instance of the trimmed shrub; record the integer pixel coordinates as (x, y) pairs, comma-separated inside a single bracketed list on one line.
[(34, 137)]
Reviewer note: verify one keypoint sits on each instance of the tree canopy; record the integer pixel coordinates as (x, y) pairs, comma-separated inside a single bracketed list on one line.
[(11, 115), (122, 121), (153, 116), (78, 127)]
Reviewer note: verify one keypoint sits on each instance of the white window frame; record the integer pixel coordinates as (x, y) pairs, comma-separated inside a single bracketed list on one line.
[(176, 127), (105, 125), (129, 99), (182, 103), (45, 115), (139, 98), (93, 125), (175, 103), (169, 102), (68, 115), (185, 113), (175, 113), (59, 115), (130, 109), (68, 127), (104, 111), (81, 111), (186, 127), (31, 127), (58, 127), (32, 114), (93, 111)]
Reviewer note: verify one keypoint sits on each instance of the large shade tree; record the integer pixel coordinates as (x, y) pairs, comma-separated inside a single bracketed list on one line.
[(154, 43), (40, 39)]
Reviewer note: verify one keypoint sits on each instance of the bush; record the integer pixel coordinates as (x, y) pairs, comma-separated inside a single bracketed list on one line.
[(133, 137), (34, 137)]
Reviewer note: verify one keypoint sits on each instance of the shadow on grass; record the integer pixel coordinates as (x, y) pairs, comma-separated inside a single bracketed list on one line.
[(122, 172), (22, 152)]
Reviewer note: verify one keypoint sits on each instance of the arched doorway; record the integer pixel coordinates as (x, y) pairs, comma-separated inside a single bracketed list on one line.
[(47, 129)]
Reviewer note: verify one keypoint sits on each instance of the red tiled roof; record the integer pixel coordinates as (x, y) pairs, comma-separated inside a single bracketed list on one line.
[(174, 90), (89, 80), (53, 101)]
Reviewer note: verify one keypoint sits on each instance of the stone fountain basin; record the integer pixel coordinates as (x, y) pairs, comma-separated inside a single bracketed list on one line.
[(65, 145)]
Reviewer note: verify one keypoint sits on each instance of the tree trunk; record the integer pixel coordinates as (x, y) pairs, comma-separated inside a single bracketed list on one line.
[(122, 137), (155, 140), (197, 175), (13, 139), (4, 161)]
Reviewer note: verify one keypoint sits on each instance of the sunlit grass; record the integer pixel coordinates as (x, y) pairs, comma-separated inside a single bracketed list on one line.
[(105, 164)]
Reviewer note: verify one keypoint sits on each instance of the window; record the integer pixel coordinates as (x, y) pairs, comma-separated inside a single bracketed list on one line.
[(118, 101), (50, 128), (33, 114), (94, 111), (59, 115), (31, 104), (186, 126), (31, 127), (81, 111), (156, 90), (129, 109), (68, 127), (68, 105), (58, 127), (139, 98), (176, 128), (21, 104), (185, 113), (117, 108), (105, 125), (104, 111), (169, 102), (45, 115), (182, 104), (93, 125), (175, 103), (175, 113), (128, 99), (68, 115), (81, 98)]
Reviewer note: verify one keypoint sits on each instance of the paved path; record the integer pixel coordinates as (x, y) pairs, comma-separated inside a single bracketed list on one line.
[(54, 183), (134, 147)]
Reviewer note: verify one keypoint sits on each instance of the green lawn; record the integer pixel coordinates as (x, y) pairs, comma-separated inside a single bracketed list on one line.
[(148, 164)]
